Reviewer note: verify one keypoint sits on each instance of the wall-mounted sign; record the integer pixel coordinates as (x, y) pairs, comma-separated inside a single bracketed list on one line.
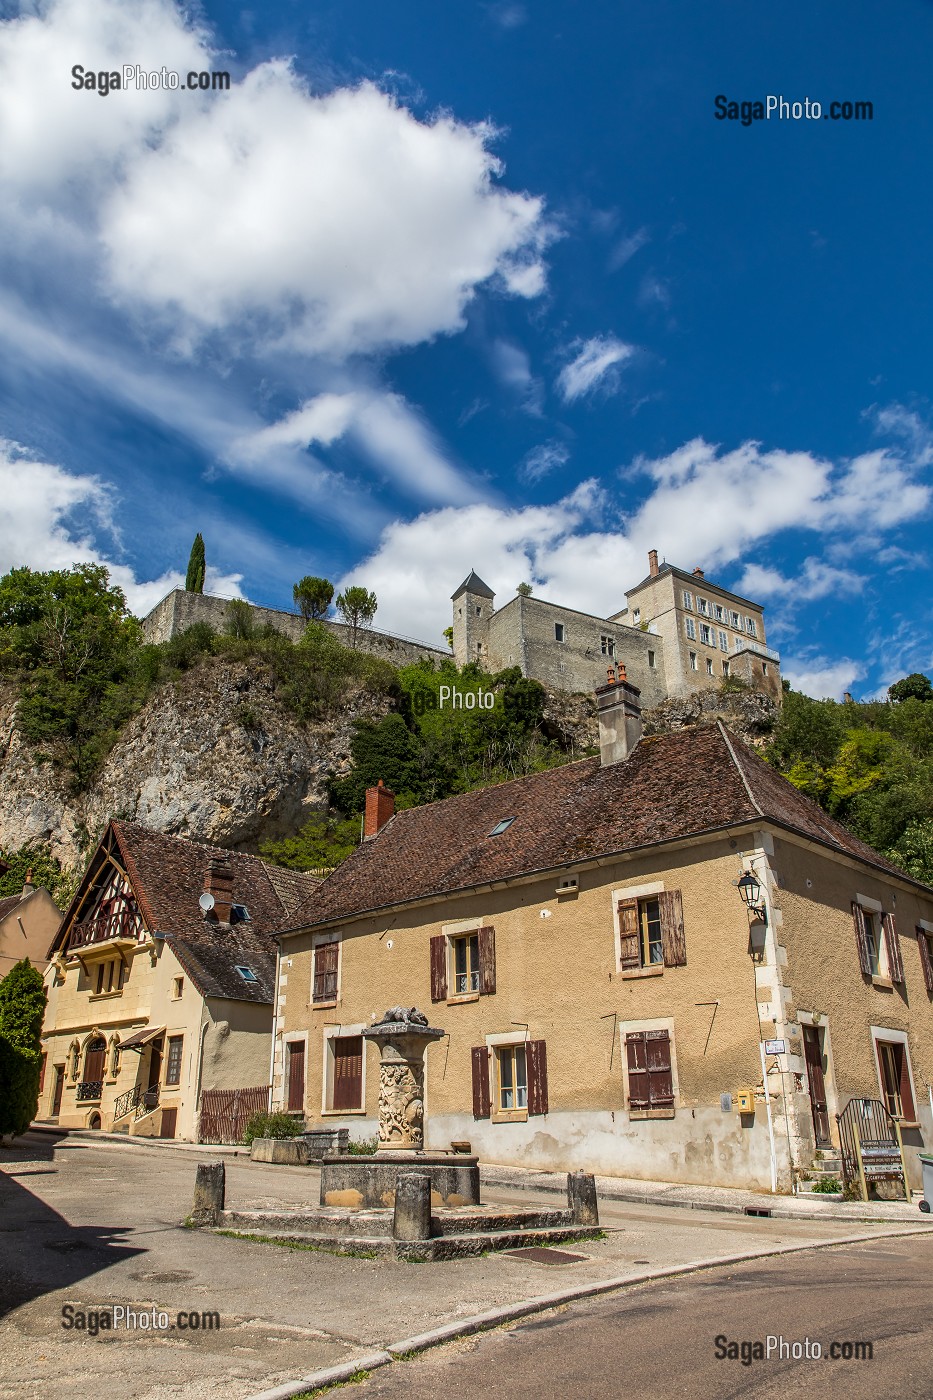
[(775, 1047)]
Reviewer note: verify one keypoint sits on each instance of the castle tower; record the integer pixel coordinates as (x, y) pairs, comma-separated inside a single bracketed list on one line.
[(473, 607)]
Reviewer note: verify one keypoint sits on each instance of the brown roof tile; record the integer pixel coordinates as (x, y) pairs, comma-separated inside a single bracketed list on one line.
[(673, 786)]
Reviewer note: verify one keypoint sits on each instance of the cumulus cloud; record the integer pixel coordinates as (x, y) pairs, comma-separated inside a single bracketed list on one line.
[(821, 678), (814, 579), (593, 365), (51, 519)]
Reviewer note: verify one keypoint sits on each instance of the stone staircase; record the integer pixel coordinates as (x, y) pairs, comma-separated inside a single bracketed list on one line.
[(825, 1166)]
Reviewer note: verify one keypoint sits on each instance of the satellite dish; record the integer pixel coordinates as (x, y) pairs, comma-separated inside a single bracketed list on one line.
[(206, 901)]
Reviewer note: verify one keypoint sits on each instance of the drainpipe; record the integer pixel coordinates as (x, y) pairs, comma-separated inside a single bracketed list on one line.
[(764, 1080), (275, 1021)]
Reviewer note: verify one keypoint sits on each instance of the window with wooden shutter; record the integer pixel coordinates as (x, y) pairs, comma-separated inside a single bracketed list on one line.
[(629, 938), (673, 941), (479, 1057), (325, 972), (296, 1076), (650, 1071), (893, 946), (348, 1071), (861, 938), (536, 1061), (895, 1079), (926, 957), (439, 968), (487, 960)]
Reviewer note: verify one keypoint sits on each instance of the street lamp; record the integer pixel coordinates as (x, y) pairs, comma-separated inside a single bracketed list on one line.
[(749, 887)]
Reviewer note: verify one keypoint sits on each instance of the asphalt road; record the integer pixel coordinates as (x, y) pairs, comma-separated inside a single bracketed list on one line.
[(659, 1340)]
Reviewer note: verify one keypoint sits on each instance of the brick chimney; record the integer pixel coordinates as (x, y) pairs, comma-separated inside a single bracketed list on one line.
[(652, 563), (380, 806), (698, 572), (619, 713), (28, 887), (219, 882)]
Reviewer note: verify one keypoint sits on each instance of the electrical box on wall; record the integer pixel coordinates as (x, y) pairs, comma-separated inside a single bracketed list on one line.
[(744, 1100)]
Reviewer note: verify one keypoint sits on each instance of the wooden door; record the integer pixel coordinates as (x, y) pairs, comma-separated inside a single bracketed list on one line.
[(296, 1076), (814, 1056), (155, 1063), (348, 1071), (58, 1090), (169, 1119)]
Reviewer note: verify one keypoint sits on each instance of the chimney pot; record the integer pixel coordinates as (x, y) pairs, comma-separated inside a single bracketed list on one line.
[(619, 711), (380, 806), (653, 563), (28, 886)]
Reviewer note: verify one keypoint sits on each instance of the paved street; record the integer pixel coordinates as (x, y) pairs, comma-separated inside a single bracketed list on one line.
[(92, 1224), (658, 1340)]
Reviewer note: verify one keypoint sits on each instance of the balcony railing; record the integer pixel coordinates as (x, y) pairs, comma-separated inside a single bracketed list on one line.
[(759, 648), (90, 1089), (148, 1101), (125, 925), (127, 1102)]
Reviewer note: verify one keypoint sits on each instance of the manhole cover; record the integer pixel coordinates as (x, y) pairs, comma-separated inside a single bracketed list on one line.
[(546, 1256), (170, 1276)]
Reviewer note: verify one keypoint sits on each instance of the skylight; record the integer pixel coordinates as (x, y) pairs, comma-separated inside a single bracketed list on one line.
[(247, 974), (502, 826), (239, 914)]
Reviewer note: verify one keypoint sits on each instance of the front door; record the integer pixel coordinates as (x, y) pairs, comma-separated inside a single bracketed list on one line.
[(813, 1051), (169, 1120), (58, 1090)]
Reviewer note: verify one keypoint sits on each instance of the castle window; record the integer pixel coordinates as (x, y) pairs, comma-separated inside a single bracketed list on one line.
[(751, 627), (725, 668), (764, 668), (718, 612), (723, 642), (693, 661), (636, 615), (558, 631), (690, 629), (688, 600), (735, 620), (703, 607), (709, 665), (651, 659), (479, 612), (706, 636), (607, 646)]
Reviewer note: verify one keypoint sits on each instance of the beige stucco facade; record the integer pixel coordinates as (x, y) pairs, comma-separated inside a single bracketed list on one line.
[(27, 929), (559, 979)]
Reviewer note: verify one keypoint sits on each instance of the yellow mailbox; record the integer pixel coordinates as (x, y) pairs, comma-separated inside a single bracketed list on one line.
[(745, 1100)]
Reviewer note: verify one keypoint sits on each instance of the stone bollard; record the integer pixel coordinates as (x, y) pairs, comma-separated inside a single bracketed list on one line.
[(412, 1218), (581, 1198), (209, 1193)]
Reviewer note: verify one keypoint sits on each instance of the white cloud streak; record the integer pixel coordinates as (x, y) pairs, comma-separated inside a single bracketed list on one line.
[(593, 366)]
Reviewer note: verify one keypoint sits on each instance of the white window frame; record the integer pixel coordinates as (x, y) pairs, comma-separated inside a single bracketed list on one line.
[(873, 907), (706, 635), (703, 607), (659, 1023), (688, 601), (327, 1072), (690, 629), (892, 1037), (501, 1041), (620, 896)]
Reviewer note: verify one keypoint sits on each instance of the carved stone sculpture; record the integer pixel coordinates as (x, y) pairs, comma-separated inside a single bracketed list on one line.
[(402, 1035)]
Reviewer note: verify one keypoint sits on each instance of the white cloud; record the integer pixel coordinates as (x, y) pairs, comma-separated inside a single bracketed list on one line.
[(821, 678), (592, 365), (626, 248), (543, 459), (814, 579), (51, 518), (513, 369)]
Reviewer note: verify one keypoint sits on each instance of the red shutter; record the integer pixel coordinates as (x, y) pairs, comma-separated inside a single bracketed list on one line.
[(439, 968), (629, 941), (348, 1071), (925, 961), (325, 972), (660, 1078), (479, 1056), (673, 941), (893, 945), (296, 1076), (487, 960), (861, 939), (639, 1095), (536, 1062)]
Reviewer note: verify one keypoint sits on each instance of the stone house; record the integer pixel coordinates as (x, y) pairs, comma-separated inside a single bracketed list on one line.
[(606, 996), (28, 922), (161, 982), (677, 634)]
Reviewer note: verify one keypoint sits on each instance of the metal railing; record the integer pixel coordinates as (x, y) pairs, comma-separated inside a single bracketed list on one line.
[(759, 648), (148, 1101), (127, 1102), (871, 1146), (90, 1089)]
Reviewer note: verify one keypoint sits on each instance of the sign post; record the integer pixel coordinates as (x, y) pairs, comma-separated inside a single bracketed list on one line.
[(764, 1082)]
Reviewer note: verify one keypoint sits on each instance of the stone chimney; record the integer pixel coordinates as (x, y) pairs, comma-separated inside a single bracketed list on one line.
[(698, 572), (219, 882), (28, 887), (652, 563), (619, 713), (380, 806)]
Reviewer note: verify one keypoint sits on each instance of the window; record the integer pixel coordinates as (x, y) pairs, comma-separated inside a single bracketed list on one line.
[(558, 631), (709, 665), (607, 646), (725, 668), (504, 825), (650, 1070), (347, 1052), (173, 1061), (511, 1078), (693, 661), (324, 981), (688, 600), (114, 1058), (110, 976), (734, 620), (94, 1057), (651, 659), (239, 914), (872, 945), (465, 957), (42, 1073), (764, 668), (706, 636), (690, 629), (636, 614), (723, 642), (877, 941), (751, 627), (247, 974), (651, 931), (479, 612), (894, 1072), (178, 987), (718, 612), (925, 944), (703, 607)]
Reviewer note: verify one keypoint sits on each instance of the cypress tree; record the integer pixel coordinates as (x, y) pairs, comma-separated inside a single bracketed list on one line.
[(194, 579)]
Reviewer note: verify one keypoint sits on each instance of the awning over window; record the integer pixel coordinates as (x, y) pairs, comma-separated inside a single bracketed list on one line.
[(141, 1038)]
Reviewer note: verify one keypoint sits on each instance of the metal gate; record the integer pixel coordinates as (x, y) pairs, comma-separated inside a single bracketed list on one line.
[(870, 1142)]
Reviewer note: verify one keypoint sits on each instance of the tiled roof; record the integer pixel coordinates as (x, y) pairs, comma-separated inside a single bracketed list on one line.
[(8, 904), (673, 786), (167, 874)]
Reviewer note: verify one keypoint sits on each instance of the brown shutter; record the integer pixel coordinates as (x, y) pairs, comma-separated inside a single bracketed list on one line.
[(629, 941), (536, 1063), (861, 938), (296, 1076), (660, 1078), (487, 960), (673, 941), (907, 1098), (479, 1056), (925, 961), (94, 1061), (348, 1071), (893, 945), (325, 972), (639, 1095), (439, 968)]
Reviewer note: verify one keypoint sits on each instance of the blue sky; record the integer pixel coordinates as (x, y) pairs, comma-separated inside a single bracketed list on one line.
[(482, 286)]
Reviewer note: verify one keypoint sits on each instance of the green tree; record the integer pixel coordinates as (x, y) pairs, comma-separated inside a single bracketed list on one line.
[(239, 620), (914, 851), (22, 1005), (313, 596), (524, 590), (357, 607), (320, 844), (194, 579), (45, 869), (915, 687), (449, 637)]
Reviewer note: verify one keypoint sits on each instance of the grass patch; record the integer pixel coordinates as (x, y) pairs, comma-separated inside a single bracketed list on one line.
[(297, 1244), (355, 1379)]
